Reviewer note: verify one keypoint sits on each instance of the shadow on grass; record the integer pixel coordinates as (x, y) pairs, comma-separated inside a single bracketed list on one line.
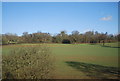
[(109, 46), (95, 71), (105, 45)]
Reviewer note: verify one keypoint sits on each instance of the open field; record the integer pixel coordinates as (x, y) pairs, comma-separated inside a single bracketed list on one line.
[(80, 61)]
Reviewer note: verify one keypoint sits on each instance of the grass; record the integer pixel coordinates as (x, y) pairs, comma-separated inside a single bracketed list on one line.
[(81, 53), (94, 54), (93, 70)]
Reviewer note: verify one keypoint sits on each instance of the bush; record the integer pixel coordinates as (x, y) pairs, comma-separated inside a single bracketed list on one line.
[(66, 41), (28, 63)]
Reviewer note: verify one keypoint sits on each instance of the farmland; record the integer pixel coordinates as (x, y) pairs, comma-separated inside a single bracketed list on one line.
[(59, 40), (68, 58)]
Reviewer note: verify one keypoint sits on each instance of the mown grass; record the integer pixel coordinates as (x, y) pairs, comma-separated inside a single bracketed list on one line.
[(83, 53), (95, 71)]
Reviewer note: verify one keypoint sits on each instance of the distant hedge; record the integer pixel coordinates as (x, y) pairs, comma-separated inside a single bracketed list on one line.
[(74, 37)]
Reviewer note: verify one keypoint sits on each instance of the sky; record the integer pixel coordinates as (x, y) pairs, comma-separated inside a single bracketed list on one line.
[(53, 17), (0, 17), (60, 0)]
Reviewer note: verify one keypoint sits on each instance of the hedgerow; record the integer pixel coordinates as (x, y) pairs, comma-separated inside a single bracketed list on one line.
[(28, 63)]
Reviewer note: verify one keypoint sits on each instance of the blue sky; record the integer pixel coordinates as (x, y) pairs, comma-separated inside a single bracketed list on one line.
[(53, 17), (60, 0), (0, 17)]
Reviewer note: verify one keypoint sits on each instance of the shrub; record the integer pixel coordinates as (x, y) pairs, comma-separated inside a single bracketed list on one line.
[(28, 63), (66, 41)]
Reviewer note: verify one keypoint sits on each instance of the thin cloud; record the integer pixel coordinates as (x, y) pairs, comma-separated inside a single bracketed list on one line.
[(106, 18)]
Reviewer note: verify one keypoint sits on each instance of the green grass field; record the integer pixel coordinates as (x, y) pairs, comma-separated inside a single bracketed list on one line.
[(73, 60)]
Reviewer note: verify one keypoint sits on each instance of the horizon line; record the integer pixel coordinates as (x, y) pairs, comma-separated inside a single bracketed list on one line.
[(60, 31)]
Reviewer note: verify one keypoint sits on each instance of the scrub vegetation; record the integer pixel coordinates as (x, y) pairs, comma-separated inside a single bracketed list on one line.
[(28, 63)]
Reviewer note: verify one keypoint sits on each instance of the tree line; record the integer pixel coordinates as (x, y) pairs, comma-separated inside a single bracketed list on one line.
[(62, 37)]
